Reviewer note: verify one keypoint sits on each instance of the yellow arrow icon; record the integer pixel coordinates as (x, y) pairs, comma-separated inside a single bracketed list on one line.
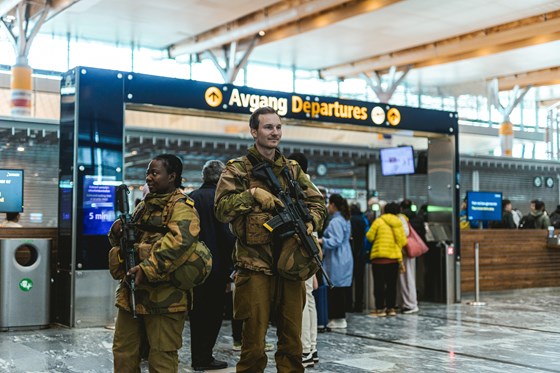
[(213, 96), (394, 116)]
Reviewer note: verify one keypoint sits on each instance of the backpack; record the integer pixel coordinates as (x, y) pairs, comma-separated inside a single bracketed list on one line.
[(197, 263), (517, 216), (528, 222)]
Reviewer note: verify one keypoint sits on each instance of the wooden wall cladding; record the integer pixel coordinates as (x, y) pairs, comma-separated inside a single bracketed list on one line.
[(509, 259)]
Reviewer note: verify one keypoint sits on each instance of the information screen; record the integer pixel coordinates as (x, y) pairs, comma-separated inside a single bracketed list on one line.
[(99, 205), (484, 206), (397, 161), (11, 190)]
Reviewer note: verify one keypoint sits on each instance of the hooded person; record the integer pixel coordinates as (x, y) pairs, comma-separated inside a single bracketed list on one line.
[(388, 238)]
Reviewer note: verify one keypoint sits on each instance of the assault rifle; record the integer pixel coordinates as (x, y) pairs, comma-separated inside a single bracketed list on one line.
[(128, 237), (291, 218)]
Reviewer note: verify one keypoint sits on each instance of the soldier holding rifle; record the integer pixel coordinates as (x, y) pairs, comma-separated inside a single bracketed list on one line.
[(166, 227), (271, 260)]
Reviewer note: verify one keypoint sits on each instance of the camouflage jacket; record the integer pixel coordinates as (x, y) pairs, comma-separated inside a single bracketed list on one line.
[(234, 204), (160, 254)]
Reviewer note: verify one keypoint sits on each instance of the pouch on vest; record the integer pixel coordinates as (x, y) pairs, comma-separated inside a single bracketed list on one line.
[(256, 233), (294, 262), (195, 270)]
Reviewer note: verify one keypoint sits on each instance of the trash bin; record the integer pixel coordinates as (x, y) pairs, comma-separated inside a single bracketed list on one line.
[(24, 283)]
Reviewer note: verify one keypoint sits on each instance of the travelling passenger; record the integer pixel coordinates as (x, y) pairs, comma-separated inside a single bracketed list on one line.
[(536, 218), (337, 258), (161, 303), (325, 194), (309, 321), (416, 220), (507, 221), (359, 229), (555, 218), (464, 223), (263, 281), (12, 220), (406, 289), (387, 235), (206, 317)]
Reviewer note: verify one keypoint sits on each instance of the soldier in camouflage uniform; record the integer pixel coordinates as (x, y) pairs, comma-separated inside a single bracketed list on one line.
[(161, 301), (246, 203)]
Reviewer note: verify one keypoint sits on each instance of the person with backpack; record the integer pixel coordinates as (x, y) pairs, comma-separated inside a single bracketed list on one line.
[(271, 269), (536, 218), (167, 228), (507, 221)]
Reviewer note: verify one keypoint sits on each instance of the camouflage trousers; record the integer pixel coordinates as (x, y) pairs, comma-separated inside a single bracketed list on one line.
[(165, 336), (255, 296)]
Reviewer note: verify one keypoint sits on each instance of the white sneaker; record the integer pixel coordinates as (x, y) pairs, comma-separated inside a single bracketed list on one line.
[(307, 360), (337, 324), (408, 311)]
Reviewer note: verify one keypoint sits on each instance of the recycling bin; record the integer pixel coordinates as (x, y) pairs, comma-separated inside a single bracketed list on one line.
[(24, 283)]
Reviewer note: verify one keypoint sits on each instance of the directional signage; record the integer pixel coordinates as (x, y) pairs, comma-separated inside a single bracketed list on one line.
[(190, 94)]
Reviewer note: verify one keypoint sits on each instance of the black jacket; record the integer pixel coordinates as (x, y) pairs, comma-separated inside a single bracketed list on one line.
[(358, 233), (215, 235)]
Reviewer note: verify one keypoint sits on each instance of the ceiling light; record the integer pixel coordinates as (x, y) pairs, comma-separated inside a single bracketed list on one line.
[(20, 149), (262, 33)]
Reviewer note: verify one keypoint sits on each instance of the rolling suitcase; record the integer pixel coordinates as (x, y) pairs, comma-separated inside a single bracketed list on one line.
[(321, 302)]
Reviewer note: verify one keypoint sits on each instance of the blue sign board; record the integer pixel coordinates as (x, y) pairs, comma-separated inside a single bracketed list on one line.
[(484, 206)]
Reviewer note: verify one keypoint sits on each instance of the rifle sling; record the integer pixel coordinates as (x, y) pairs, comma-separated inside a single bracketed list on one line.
[(152, 228)]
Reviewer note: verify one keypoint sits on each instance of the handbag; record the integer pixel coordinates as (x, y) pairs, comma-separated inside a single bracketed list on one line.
[(415, 246)]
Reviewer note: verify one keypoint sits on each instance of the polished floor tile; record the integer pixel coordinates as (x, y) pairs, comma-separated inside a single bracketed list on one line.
[(517, 331)]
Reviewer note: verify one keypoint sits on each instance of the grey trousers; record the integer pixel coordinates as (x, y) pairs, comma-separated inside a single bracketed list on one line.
[(406, 290)]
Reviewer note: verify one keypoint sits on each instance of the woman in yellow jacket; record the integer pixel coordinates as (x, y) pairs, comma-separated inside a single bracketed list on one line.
[(388, 237)]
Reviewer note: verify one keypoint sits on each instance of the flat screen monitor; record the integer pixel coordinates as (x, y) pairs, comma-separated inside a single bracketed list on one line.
[(11, 190), (99, 205), (484, 206), (397, 161)]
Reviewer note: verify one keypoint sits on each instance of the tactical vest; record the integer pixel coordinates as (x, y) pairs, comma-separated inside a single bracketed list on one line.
[(197, 260), (291, 260)]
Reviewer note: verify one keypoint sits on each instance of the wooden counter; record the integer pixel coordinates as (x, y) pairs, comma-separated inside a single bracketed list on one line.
[(509, 259)]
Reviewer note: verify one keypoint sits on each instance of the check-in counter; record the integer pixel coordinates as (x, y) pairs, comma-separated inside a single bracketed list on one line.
[(509, 259)]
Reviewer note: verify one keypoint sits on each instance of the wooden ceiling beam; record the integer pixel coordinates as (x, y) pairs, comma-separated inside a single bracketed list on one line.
[(279, 21), (525, 32), (250, 25), (325, 18), (544, 77)]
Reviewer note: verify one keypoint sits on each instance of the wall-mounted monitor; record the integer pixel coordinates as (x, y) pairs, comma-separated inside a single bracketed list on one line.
[(98, 205), (484, 206), (397, 161), (11, 190)]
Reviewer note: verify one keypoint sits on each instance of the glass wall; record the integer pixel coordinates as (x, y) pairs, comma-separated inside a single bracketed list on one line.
[(57, 54)]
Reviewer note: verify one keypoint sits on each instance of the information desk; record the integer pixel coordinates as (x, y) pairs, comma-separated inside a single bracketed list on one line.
[(509, 259)]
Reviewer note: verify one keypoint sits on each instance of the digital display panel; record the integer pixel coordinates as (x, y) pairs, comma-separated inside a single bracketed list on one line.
[(397, 161), (11, 190), (98, 205), (484, 206)]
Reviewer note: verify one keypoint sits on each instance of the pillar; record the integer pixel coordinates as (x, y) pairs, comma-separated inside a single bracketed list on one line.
[(506, 138), (22, 86)]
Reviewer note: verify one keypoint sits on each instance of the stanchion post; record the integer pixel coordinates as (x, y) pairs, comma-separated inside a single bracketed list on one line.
[(477, 301)]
